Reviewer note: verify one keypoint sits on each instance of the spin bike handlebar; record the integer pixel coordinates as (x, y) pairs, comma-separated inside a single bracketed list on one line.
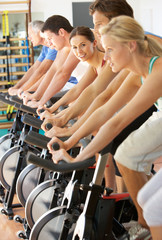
[(27, 109), (5, 100), (62, 166), (32, 121), (39, 140), (35, 122), (15, 99)]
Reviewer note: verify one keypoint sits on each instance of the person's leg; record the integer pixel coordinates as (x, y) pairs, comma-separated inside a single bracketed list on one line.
[(134, 181), (121, 137), (120, 185), (110, 174), (156, 232), (136, 154)]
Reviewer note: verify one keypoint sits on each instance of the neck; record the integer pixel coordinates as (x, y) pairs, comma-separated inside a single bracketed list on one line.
[(96, 59), (100, 49), (42, 42), (66, 39), (140, 65)]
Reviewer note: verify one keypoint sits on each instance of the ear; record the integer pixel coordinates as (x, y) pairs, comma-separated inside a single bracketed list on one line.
[(132, 46), (95, 43), (61, 32)]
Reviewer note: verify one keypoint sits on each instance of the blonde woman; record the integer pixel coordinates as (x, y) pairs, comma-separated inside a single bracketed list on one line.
[(127, 47)]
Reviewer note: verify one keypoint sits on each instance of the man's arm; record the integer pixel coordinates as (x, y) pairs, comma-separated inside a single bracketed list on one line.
[(38, 73), (60, 78), (59, 61), (23, 80)]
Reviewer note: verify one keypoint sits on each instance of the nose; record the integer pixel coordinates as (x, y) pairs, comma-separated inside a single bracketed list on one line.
[(96, 31), (79, 50), (46, 41)]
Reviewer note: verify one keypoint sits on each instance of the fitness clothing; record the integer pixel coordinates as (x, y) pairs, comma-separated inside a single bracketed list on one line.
[(127, 131), (158, 103), (47, 53), (137, 152), (80, 70), (149, 198)]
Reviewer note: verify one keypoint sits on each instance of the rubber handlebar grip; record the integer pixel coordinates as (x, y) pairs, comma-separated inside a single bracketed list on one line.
[(55, 146), (63, 167), (48, 126), (41, 110), (27, 109)]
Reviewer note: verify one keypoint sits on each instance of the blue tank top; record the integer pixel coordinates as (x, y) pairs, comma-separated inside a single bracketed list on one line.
[(158, 103)]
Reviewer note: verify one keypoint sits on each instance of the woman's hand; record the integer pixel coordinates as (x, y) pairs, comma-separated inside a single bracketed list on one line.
[(62, 155), (56, 140), (54, 121), (46, 114)]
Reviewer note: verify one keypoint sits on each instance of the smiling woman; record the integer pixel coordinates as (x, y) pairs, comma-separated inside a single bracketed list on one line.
[(83, 43), (84, 48)]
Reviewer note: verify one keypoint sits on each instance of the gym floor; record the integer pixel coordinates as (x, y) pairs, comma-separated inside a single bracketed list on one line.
[(9, 228)]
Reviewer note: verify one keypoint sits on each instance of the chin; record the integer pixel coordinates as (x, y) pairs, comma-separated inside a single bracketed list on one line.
[(115, 70), (83, 60)]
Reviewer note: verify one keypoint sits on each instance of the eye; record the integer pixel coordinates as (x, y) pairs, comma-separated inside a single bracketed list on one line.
[(73, 47), (97, 26), (109, 50), (83, 45)]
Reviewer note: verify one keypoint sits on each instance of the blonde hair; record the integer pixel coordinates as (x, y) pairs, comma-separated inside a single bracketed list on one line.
[(124, 29)]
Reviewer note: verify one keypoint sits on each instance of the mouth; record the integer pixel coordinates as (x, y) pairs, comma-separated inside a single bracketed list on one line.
[(111, 64), (81, 56)]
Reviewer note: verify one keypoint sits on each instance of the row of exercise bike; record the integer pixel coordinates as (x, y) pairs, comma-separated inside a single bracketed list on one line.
[(61, 201)]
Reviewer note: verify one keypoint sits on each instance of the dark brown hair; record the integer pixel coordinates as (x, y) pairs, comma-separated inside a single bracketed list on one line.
[(55, 22), (111, 8), (83, 31)]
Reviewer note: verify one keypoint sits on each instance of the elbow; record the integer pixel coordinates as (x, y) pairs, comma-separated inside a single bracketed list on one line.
[(64, 75), (103, 99)]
